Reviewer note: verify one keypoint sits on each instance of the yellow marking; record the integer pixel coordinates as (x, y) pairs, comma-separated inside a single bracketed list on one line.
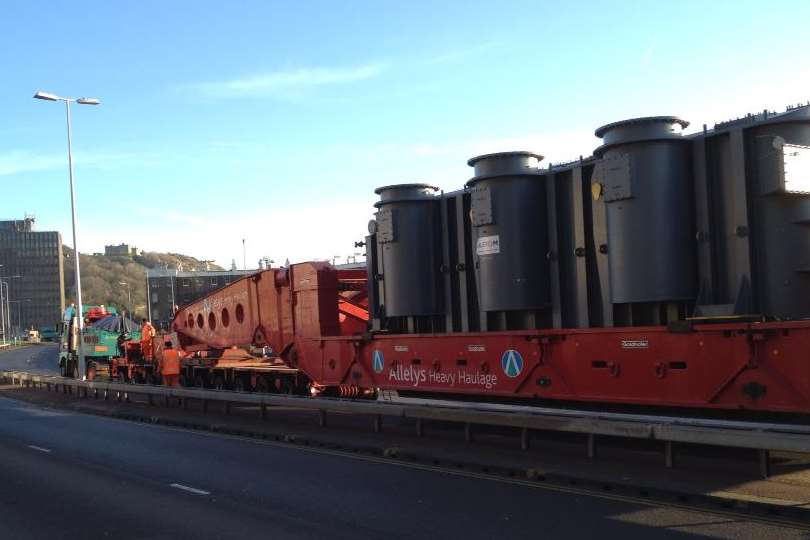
[(596, 191)]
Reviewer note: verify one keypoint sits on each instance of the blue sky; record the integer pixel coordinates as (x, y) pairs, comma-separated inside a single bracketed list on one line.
[(275, 121)]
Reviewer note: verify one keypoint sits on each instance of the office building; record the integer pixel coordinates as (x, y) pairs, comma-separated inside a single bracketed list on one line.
[(170, 287), (32, 263)]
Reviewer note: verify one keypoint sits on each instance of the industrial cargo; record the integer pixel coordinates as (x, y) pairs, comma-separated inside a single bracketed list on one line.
[(666, 269)]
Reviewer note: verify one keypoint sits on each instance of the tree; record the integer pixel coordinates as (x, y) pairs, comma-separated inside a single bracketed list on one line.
[(102, 277)]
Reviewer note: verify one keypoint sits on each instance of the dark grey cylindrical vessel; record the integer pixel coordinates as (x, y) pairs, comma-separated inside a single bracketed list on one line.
[(510, 231), (409, 243), (647, 189), (780, 214)]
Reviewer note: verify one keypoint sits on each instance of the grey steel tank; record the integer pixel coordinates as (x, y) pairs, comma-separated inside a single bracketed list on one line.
[(645, 181), (778, 158), (510, 231), (408, 237)]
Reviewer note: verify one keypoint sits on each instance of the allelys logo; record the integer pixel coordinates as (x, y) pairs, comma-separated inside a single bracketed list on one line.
[(378, 362), (511, 363)]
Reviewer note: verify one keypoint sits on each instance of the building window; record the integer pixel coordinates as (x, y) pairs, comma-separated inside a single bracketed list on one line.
[(154, 297)]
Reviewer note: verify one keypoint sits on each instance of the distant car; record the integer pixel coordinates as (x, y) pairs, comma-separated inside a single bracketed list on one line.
[(32, 336)]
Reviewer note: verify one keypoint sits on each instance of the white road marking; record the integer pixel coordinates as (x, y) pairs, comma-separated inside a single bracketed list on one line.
[(39, 449), (195, 491)]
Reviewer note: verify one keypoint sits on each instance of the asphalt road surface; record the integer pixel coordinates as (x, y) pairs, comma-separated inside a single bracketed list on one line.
[(70, 475), (43, 358)]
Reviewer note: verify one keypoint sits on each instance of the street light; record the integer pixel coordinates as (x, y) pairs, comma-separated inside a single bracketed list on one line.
[(129, 295), (78, 281), (3, 312), (19, 312), (5, 307)]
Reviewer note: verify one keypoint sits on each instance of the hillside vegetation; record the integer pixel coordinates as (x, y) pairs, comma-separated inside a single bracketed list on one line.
[(102, 277)]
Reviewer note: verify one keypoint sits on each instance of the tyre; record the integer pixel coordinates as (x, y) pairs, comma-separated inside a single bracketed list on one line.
[(262, 385)]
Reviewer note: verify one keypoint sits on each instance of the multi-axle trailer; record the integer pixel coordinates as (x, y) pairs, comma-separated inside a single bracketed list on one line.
[(663, 270), (295, 311)]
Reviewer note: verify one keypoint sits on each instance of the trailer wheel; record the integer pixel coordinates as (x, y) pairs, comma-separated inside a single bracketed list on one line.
[(284, 386), (262, 385), (291, 357), (72, 369)]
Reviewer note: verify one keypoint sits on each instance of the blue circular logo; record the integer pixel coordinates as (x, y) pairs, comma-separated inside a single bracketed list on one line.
[(378, 362), (511, 363)]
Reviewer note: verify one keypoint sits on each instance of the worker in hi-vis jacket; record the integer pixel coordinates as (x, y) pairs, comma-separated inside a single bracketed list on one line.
[(147, 334), (170, 365)]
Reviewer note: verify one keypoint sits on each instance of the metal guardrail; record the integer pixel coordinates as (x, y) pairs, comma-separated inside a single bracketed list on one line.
[(760, 436)]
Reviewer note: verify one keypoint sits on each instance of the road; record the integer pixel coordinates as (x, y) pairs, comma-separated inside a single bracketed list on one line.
[(70, 475), (41, 358)]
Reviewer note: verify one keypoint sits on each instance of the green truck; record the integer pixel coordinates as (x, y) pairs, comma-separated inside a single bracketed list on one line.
[(102, 328), (49, 333)]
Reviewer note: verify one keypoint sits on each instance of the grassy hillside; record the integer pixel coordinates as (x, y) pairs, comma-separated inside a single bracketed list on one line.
[(102, 277)]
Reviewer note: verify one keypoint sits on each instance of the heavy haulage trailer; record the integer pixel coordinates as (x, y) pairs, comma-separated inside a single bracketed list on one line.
[(664, 270)]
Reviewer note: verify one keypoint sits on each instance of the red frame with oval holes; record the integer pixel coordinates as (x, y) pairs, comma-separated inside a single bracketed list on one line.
[(299, 312)]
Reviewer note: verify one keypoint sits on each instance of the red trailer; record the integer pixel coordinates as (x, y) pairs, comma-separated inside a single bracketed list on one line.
[(242, 336), (303, 314)]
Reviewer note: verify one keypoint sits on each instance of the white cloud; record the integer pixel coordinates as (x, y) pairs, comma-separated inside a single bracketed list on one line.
[(294, 230), (463, 53), (281, 82), (647, 55), (445, 164), (23, 161), (19, 161), (559, 147)]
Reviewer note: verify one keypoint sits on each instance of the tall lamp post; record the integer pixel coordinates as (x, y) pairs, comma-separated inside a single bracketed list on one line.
[(2, 316), (5, 305), (19, 312), (3, 313), (78, 280), (129, 295)]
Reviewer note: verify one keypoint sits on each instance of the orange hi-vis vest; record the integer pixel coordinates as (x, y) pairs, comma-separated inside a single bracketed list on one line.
[(147, 332), (171, 362)]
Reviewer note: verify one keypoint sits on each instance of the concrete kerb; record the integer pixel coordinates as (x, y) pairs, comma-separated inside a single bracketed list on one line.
[(757, 436), (707, 502)]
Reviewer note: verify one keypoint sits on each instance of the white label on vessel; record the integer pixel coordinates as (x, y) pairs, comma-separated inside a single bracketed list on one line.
[(401, 348), (488, 245)]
